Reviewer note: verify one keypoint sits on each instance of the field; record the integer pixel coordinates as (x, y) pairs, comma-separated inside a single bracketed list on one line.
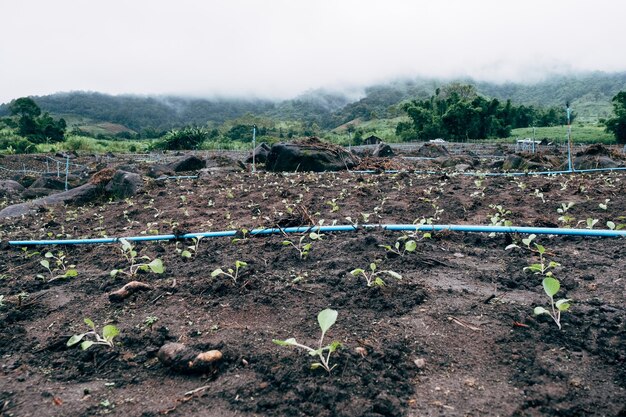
[(452, 332), (581, 133)]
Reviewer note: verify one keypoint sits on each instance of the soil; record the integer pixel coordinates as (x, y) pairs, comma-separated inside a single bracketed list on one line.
[(454, 337)]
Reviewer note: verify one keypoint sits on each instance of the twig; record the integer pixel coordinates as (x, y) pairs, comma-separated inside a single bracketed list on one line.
[(197, 390), (463, 323)]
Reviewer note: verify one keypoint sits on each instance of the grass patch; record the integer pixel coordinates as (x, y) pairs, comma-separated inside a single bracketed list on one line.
[(581, 133)]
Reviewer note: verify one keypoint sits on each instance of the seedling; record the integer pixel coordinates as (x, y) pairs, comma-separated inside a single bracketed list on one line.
[(326, 318), (399, 249), (551, 286), (333, 205), (604, 205), (564, 207), (232, 273), (150, 320), (372, 278), (191, 250), (542, 268), (129, 252), (108, 334), (303, 247), (66, 271)]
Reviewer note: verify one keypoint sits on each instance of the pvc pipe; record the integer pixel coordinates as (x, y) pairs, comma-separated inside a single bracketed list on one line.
[(341, 228)]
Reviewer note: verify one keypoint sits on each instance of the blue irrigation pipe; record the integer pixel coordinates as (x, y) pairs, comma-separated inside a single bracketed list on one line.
[(341, 228)]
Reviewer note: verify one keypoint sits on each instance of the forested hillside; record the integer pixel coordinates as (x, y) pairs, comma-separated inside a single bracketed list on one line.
[(590, 95)]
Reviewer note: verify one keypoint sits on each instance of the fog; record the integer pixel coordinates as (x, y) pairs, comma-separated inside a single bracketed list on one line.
[(281, 48)]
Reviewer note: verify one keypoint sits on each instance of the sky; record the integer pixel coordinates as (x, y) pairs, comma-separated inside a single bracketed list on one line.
[(281, 48)]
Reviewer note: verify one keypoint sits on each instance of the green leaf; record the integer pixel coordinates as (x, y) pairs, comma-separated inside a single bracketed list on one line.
[(86, 344), (217, 272), (553, 264), (49, 255), (551, 286), (89, 323), (326, 318), (334, 346), (540, 249), (109, 332), (373, 266), (70, 273), (378, 282), (610, 225), (563, 304), (185, 254), (534, 267), (286, 242), (45, 263), (316, 365), (126, 246), (75, 339), (511, 246), (286, 342), (239, 264), (529, 239), (357, 271), (157, 266), (114, 272), (314, 236), (540, 310), (410, 246)]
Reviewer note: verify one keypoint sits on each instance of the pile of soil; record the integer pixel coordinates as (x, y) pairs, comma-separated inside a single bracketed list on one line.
[(455, 336)]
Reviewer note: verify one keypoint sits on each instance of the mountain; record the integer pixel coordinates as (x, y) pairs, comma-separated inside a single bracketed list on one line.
[(590, 95)]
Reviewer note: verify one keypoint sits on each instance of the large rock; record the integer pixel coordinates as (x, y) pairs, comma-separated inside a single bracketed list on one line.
[(432, 150), (382, 149), (309, 155), (78, 195), (187, 163), (49, 181), (10, 187), (124, 184), (260, 154)]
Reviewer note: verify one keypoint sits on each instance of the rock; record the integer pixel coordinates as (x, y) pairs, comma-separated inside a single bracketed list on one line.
[(382, 149), (462, 167), (78, 195), (124, 184), (593, 162), (309, 155), (49, 181), (187, 163), (10, 187), (452, 161), (156, 171), (432, 150), (260, 154), (184, 359)]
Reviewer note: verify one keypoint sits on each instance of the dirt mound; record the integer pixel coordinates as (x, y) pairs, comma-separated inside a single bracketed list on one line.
[(380, 165)]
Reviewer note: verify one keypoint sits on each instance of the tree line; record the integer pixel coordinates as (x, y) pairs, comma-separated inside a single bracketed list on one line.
[(458, 112)]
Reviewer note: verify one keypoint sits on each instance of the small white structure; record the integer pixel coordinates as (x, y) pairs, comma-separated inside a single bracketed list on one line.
[(527, 145)]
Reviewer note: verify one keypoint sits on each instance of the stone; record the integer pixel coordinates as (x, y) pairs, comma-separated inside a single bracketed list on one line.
[(309, 155), (124, 184)]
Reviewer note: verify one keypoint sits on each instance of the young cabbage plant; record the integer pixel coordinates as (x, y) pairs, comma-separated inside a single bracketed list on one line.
[(191, 250), (372, 278), (542, 268), (232, 273), (129, 252), (59, 270), (551, 286), (326, 318), (303, 247), (109, 332), (399, 249)]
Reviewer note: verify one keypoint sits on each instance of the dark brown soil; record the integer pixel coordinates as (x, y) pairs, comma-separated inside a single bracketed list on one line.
[(455, 337)]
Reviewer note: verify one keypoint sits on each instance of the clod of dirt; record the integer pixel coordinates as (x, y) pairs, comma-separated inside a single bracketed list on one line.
[(127, 290), (179, 357)]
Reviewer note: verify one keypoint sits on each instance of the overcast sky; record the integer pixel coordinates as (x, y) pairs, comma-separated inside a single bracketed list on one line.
[(280, 48)]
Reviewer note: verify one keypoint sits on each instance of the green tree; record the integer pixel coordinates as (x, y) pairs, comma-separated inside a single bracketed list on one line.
[(24, 106), (35, 127), (617, 124)]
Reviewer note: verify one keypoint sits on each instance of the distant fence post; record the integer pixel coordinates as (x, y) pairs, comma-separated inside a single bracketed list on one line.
[(67, 169)]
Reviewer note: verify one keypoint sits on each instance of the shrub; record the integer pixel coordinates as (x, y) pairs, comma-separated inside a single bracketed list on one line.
[(187, 138)]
